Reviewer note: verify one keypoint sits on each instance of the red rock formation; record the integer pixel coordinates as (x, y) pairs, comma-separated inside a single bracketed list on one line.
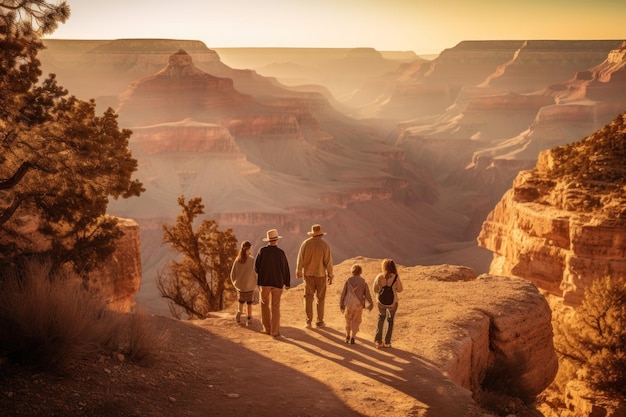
[(101, 68), (180, 91), (562, 225), (120, 278), (499, 324), (183, 136)]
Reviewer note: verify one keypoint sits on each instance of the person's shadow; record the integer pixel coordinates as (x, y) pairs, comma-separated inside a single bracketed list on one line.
[(404, 371)]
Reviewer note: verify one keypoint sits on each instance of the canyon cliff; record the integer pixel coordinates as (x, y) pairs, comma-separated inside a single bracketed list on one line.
[(562, 224), (414, 185)]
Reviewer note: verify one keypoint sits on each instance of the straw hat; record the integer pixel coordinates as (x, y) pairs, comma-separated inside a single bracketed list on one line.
[(272, 235), (316, 230)]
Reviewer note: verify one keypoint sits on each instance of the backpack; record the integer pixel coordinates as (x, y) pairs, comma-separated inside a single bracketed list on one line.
[(351, 299), (385, 295)]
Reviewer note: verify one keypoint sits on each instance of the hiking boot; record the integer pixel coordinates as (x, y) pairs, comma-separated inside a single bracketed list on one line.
[(352, 341), (320, 324)]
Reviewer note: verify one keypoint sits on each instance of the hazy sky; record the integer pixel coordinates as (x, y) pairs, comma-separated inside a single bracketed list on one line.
[(423, 26)]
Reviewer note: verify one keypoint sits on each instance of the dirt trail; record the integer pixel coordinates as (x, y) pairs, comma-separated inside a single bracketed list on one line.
[(313, 372), (215, 367)]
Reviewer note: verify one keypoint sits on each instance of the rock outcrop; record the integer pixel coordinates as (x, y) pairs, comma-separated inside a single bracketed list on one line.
[(562, 225), (119, 280), (180, 91), (504, 324), (105, 68), (485, 333)]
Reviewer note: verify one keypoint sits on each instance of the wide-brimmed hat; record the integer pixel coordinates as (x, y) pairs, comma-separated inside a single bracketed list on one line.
[(272, 234), (316, 230)]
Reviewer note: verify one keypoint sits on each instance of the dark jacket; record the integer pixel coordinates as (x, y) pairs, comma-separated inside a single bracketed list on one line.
[(272, 267)]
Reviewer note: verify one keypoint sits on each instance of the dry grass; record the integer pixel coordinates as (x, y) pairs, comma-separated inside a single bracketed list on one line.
[(142, 337), (47, 322)]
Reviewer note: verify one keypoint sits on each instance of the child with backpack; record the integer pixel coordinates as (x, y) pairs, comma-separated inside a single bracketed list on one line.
[(387, 285), (352, 301)]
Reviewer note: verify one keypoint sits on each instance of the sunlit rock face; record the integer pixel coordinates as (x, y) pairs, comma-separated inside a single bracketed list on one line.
[(563, 224), (184, 136), (476, 329), (119, 279), (180, 91), (489, 116), (504, 122)]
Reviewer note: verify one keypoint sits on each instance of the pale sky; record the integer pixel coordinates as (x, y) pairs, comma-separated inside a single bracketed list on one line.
[(422, 26)]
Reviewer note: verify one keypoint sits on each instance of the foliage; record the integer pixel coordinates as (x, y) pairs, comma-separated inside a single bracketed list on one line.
[(595, 338), (598, 157), (48, 320), (59, 162), (199, 283)]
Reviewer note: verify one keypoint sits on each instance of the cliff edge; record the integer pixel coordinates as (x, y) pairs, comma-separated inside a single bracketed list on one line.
[(562, 224)]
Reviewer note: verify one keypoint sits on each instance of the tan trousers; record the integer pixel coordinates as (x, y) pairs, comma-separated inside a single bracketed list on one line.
[(353, 317), (315, 287), (270, 309)]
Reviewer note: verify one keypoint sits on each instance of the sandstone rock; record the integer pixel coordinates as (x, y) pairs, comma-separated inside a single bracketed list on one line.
[(183, 136), (562, 224), (485, 333), (101, 68), (120, 279), (180, 91)]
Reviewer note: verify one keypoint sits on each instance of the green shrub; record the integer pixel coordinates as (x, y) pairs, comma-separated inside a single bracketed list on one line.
[(595, 337)]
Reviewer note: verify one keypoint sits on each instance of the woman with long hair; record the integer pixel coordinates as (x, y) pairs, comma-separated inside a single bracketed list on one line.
[(386, 309), (244, 280)]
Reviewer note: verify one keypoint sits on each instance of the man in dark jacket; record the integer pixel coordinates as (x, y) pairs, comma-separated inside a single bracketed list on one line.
[(273, 274)]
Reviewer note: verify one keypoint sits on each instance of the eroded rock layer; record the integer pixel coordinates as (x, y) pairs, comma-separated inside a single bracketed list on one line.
[(563, 224)]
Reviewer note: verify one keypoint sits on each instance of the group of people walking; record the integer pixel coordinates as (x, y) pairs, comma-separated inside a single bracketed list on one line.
[(269, 271)]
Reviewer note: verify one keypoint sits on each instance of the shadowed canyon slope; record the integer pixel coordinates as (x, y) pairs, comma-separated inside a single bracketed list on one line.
[(406, 165)]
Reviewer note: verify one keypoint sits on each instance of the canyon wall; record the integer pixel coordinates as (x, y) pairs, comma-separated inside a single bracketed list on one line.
[(562, 225), (415, 185)]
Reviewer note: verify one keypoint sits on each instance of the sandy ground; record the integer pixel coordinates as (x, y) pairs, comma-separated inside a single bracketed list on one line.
[(215, 367)]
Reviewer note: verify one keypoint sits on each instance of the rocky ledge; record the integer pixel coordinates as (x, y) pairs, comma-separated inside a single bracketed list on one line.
[(563, 223)]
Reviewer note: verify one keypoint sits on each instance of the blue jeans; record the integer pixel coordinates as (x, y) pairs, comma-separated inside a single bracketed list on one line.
[(385, 313)]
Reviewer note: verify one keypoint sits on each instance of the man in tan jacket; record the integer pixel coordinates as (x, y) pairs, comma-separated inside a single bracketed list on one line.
[(315, 263)]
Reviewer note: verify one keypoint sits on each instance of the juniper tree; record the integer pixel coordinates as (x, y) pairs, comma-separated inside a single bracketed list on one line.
[(594, 338), (59, 161), (199, 282)]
